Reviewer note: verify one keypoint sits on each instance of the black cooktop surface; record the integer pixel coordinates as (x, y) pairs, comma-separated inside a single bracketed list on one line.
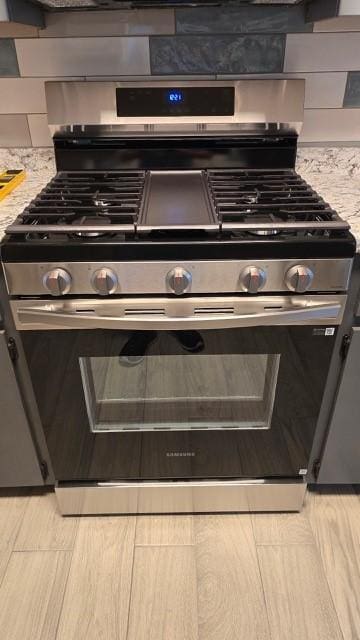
[(227, 213)]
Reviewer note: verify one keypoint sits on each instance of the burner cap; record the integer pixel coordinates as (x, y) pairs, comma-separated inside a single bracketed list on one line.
[(91, 221), (279, 216)]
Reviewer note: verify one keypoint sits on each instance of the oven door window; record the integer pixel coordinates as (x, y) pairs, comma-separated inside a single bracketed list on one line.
[(180, 392)]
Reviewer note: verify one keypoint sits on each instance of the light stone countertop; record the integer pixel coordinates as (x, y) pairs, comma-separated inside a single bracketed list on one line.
[(334, 173)]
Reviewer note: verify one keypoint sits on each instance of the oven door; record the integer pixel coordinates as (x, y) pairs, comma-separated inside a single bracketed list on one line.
[(197, 388)]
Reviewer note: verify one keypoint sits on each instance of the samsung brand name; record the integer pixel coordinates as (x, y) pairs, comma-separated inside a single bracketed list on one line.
[(180, 454)]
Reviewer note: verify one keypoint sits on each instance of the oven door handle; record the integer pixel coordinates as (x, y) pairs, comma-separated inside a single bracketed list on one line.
[(45, 318)]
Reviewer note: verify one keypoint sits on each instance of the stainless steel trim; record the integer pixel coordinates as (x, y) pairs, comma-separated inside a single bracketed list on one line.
[(208, 276), (266, 101), (167, 313), (299, 226), (145, 228), (181, 497), (62, 228)]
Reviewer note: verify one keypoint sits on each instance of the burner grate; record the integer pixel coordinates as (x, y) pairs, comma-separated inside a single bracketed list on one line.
[(85, 203), (272, 201), (93, 204)]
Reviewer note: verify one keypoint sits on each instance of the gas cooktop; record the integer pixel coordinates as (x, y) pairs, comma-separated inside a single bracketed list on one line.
[(207, 214), (159, 178), (96, 204)]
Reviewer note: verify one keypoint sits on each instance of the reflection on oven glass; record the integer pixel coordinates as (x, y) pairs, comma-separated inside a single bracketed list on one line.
[(180, 392)]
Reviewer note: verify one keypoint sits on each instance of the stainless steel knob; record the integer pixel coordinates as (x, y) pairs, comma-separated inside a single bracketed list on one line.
[(105, 281), (57, 282), (179, 281), (299, 278), (252, 279)]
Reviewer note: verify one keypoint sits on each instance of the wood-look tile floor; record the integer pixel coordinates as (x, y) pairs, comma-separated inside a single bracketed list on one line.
[(211, 577)]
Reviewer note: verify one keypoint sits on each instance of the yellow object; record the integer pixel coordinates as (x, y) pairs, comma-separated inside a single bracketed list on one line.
[(9, 180)]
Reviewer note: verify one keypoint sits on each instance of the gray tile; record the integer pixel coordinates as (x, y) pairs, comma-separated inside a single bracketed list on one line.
[(39, 130), (331, 125), (109, 23), (4, 14), (24, 95), (352, 92), (8, 60), (17, 30), (83, 56), (236, 19), (343, 23), (14, 131), (151, 78), (322, 52), (261, 53), (322, 90)]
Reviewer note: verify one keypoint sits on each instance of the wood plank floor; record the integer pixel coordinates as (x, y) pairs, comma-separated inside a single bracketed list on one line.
[(210, 577)]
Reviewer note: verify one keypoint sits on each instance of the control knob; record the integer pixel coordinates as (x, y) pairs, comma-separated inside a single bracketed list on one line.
[(105, 281), (57, 282), (299, 278), (179, 281), (252, 279)]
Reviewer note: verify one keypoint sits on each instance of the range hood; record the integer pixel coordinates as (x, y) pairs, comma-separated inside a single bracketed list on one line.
[(325, 9), (129, 4)]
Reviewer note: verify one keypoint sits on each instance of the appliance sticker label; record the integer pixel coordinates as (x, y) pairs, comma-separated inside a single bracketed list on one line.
[(324, 331), (330, 331)]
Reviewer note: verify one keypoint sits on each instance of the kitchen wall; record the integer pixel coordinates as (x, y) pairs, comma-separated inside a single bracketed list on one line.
[(258, 41)]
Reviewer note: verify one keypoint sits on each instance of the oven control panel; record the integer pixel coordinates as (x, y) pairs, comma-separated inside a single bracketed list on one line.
[(185, 278), (175, 101)]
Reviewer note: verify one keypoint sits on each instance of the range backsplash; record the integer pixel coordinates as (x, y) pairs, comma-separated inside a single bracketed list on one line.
[(237, 40)]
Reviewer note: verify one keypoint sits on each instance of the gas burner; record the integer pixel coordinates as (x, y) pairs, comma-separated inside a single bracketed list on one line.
[(91, 221), (278, 217), (111, 201), (267, 203)]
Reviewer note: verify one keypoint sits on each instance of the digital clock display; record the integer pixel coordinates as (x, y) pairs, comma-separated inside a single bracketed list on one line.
[(170, 102), (175, 96)]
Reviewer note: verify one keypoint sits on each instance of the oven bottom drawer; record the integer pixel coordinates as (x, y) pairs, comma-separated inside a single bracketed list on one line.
[(180, 497)]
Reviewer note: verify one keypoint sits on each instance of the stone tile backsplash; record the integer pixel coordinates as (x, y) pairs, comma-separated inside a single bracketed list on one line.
[(237, 40), (243, 19), (8, 60), (352, 92), (250, 53)]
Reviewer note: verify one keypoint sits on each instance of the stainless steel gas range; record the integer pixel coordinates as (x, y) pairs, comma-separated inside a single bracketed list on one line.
[(178, 288)]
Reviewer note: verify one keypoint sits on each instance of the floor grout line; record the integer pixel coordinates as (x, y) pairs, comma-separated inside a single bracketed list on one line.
[(2, 577), (285, 544), (42, 550), (131, 581), (10, 547), (22, 519), (318, 549), (64, 593), (166, 545), (261, 577)]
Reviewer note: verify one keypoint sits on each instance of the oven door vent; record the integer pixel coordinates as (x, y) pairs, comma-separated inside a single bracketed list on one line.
[(151, 311), (199, 311)]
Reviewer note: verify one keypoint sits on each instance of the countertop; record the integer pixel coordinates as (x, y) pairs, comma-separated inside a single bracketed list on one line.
[(334, 173)]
